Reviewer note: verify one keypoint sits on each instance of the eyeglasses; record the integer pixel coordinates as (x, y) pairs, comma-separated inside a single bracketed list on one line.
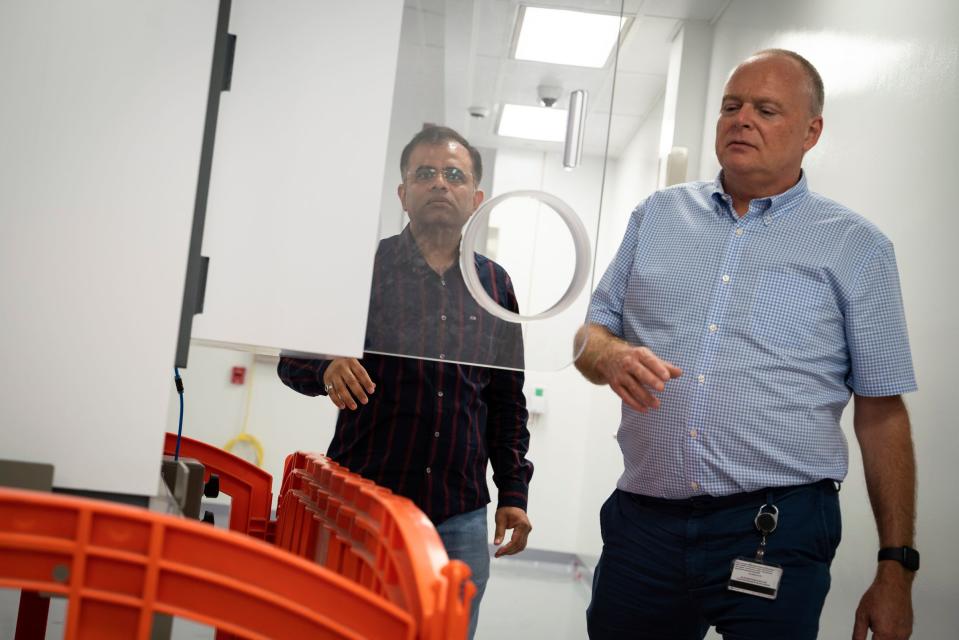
[(452, 175)]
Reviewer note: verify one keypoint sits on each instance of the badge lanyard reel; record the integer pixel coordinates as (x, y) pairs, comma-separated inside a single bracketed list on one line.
[(756, 576)]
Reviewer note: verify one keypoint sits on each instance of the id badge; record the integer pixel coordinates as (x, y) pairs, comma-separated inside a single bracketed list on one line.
[(755, 578)]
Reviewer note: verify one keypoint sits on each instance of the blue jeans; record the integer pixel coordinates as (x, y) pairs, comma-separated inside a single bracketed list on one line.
[(464, 537), (665, 566)]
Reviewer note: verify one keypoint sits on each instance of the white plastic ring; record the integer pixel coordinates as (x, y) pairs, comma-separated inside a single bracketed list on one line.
[(580, 244)]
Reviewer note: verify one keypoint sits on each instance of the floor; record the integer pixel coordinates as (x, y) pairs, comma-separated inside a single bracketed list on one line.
[(533, 599)]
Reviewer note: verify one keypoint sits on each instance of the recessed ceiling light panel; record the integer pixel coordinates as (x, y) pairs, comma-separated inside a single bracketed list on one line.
[(560, 36), (532, 123)]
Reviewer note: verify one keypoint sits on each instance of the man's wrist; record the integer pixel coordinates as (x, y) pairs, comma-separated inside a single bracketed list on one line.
[(511, 502), (892, 573)]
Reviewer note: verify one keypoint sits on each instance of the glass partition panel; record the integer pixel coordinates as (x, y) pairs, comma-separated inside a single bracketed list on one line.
[(487, 240)]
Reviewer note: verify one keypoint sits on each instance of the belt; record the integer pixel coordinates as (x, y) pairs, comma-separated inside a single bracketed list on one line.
[(716, 503)]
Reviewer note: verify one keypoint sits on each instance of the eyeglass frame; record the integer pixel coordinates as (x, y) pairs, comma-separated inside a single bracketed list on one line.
[(444, 171)]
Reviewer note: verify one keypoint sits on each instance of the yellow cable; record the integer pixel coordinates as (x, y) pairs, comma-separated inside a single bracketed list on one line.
[(244, 436)]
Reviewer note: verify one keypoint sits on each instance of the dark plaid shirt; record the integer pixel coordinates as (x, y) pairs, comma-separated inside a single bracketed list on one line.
[(431, 426)]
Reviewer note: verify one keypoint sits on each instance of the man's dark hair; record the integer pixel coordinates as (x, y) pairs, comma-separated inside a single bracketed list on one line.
[(816, 90), (434, 135)]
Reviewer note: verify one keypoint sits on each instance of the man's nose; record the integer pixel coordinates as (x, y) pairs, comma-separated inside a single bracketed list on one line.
[(744, 117)]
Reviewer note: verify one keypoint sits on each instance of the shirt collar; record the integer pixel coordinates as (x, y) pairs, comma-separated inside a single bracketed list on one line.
[(769, 207)]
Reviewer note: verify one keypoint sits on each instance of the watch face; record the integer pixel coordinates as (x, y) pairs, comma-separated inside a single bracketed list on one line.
[(910, 558)]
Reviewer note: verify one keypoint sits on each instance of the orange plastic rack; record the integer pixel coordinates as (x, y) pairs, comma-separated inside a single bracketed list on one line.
[(118, 565), (384, 573), (249, 487), (380, 540)]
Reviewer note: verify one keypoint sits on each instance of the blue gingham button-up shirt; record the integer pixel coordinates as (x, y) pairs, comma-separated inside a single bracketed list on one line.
[(774, 317)]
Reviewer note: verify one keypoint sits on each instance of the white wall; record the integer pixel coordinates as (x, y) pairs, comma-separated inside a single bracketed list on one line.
[(686, 84), (888, 151)]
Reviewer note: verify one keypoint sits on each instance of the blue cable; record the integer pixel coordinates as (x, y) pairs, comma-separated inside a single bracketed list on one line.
[(179, 430)]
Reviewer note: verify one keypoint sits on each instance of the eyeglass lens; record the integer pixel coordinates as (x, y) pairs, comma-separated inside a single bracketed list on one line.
[(452, 175)]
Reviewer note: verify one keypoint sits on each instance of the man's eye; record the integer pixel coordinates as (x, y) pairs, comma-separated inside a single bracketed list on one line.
[(425, 174), (728, 108), (453, 174)]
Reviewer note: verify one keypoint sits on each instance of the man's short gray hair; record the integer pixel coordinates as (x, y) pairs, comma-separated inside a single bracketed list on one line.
[(816, 89)]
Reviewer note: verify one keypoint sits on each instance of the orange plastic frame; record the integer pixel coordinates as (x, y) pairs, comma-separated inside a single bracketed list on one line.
[(118, 565), (380, 540)]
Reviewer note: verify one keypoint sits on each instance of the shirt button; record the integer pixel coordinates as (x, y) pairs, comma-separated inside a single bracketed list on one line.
[(725, 278), (428, 470), (694, 485), (436, 434), (693, 434), (712, 328), (443, 282), (739, 231), (439, 393), (442, 356), (701, 378), (472, 317), (443, 317)]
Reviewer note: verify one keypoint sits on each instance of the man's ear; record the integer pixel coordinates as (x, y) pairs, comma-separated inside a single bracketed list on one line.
[(812, 134), (401, 192), (478, 197)]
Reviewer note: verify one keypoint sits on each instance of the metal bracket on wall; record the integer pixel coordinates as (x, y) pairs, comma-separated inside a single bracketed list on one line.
[(221, 79)]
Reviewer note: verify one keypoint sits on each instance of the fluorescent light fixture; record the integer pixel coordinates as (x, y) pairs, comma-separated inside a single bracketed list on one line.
[(559, 36), (533, 123)]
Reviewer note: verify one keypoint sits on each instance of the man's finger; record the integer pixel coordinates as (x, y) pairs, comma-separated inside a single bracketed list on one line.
[(332, 392), (362, 376), (336, 398), (653, 364), (500, 529), (509, 548), (861, 626), (641, 394), (645, 377), (628, 398), (517, 541), (359, 393)]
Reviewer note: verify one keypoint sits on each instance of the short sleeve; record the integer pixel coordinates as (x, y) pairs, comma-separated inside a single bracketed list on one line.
[(606, 304), (876, 329)]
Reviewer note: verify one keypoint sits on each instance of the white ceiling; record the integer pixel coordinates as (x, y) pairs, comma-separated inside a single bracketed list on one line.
[(473, 38)]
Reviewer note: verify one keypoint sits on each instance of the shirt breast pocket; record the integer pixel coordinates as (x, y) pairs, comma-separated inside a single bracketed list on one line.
[(786, 308)]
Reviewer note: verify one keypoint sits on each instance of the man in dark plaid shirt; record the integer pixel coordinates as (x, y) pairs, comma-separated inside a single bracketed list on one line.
[(417, 414)]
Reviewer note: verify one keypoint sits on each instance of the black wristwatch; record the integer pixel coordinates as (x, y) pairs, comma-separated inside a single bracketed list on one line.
[(906, 556)]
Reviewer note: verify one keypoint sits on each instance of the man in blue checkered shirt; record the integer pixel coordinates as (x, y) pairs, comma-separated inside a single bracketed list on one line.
[(735, 321)]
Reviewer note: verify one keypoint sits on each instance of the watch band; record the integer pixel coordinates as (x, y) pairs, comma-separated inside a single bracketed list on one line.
[(906, 556)]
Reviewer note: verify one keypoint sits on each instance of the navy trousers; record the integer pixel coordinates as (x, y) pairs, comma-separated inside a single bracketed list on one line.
[(665, 565)]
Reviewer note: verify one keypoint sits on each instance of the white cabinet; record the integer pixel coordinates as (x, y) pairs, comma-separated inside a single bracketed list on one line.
[(101, 123), (295, 191)]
